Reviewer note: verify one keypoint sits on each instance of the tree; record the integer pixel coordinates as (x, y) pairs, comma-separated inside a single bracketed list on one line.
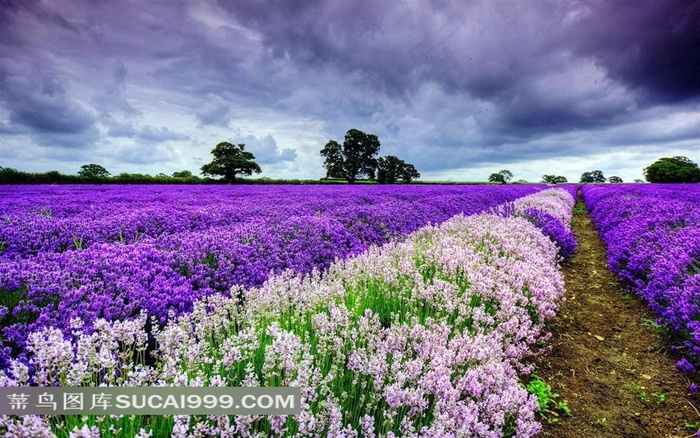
[(8, 175), (93, 171), (615, 180), (229, 161), (182, 174), (497, 178), (391, 169), (676, 169), (506, 174), (333, 160), (593, 177), (409, 173), (554, 179), (356, 158), (502, 177)]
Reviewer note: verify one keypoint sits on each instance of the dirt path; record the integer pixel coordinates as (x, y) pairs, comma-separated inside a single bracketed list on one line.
[(605, 361)]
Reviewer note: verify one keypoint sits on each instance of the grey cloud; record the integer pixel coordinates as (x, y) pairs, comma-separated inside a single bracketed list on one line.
[(480, 51), (111, 100), (492, 50), (122, 129), (146, 132), (215, 111), (398, 46), (42, 104), (161, 134), (47, 14), (145, 154), (79, 141), (266, 150), (37, 102)]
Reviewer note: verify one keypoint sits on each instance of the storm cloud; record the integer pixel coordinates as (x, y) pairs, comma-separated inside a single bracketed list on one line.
[(459, 89)]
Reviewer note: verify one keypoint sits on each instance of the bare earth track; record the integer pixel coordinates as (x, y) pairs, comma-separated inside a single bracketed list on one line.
[(605, 361)]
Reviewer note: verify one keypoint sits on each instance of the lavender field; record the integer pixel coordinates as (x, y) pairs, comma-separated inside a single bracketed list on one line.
[(109, 252), (652, 233), (399, 311)]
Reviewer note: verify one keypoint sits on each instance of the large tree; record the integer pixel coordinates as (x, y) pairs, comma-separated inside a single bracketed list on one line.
[(356, 158), (93, 171), (595, 176), (497, 178), (333, 160), (554, 179), (501, 177), (506, 174), (391, 169), (229, 161), (677, 169)]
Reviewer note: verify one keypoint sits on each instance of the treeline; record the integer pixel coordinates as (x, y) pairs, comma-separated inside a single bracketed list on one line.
[(13, 176)]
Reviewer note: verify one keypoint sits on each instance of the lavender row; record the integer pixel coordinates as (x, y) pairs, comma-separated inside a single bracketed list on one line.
[(34, 220), (551, 212), (421, 338), (652, 233), (169, 272)]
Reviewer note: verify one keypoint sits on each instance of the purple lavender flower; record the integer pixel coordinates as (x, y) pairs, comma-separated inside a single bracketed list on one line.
[(685, 366), (652, 234), (67, 254), (553, 228)]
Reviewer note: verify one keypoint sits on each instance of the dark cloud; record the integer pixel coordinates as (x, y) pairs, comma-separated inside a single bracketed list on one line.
[(38, 103), (479, 47), (494, 51), (42, 104), (82, 141), (648, 45)]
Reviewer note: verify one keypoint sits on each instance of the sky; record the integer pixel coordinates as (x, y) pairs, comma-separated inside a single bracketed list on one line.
[(460, 89)]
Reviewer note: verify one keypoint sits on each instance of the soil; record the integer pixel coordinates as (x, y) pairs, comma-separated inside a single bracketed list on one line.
[(607, 361)]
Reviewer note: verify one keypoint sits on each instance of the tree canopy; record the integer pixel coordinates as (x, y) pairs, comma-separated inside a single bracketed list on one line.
[(93, 171), (333, 160), (391, 169), (497, 178), (595, 176), (229, 161), (676, 169), (502, 177), (615, 180), (506, 174), (182, 174), (356, 158), (554, 179)]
